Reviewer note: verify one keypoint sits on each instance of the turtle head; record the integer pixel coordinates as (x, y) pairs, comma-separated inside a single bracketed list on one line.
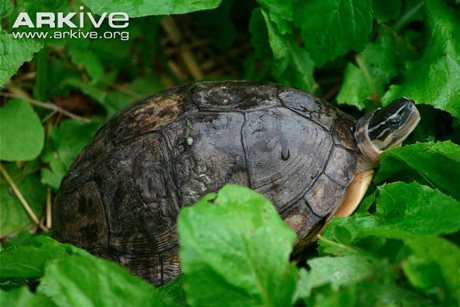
[(384, 129)]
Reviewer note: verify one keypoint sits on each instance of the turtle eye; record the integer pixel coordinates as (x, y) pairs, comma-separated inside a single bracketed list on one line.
[(395, 121)]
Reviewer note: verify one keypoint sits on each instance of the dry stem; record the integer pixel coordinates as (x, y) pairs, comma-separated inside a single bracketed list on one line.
[(21, 198)]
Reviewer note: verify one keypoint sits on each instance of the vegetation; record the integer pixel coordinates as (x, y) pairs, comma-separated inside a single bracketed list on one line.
[(401, 248)]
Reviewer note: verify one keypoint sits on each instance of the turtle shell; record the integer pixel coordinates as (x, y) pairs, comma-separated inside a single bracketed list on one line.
[(121, 197)]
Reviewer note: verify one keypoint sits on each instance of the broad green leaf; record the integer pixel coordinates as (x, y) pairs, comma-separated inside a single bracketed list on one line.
[(30, 261), (24, 238), (235, 249), (331, 28), (438, 164), (91, 90), (64, 145), (23, 297), (115, 101), (13, 217), (382, 293), (281, 8), (259, 35), (376, 66), (139, 8), (291, 63), (430, 263), (42, 84), (434, 267), (386, 10), (44, 34), (78, 280), (280, 12), (140, 87), (68, 276), (219, 25), (331, 241), (22, 135), (418, 209), (435, 77), (90, 61), (403, 211), (374, 283), (13, 53), (5, 8), (404, 208), (336, 271), (173, 294), (144, 86)]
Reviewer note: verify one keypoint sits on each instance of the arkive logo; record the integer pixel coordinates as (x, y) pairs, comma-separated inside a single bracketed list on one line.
[(116, 20)]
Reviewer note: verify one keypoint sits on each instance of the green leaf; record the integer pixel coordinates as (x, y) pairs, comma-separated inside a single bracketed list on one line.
[(368, 293), (280, 12), (5, 8), (331, 28), (330, 242), (219, 25), (68, 276), (235, 249), (22, 135), (417, 209), (173, 294), (291, 63), (78, 280), (89, 60), (13, 53), (430, 263), (386, 10), (24, 238), (30, 261), (336, 271), (259, 35), (438, 164), (435, 77), (65, 143), (281, 8), (23, 297), (42, 84), (115, 101), (13, 217), (368, 81), (403, 211), (91, 90), (434, 267), (139, 8), (405, 208)]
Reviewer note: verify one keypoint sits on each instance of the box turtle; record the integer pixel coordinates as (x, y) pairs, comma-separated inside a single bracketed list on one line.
[(121, 197)]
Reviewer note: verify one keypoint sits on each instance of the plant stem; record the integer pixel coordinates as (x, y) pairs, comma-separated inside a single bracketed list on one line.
[(46, 105), (48, 208), (401, 23), (21, 198), (369, 78)]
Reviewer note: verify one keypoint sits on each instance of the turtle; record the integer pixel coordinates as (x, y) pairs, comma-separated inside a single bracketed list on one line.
[(121, 197)]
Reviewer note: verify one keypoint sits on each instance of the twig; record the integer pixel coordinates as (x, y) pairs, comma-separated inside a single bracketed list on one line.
[(47, 117), (21, 198), (178, 49), (329, 94), (47, 105), (176, 37), (121, 88), (48, 208)]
